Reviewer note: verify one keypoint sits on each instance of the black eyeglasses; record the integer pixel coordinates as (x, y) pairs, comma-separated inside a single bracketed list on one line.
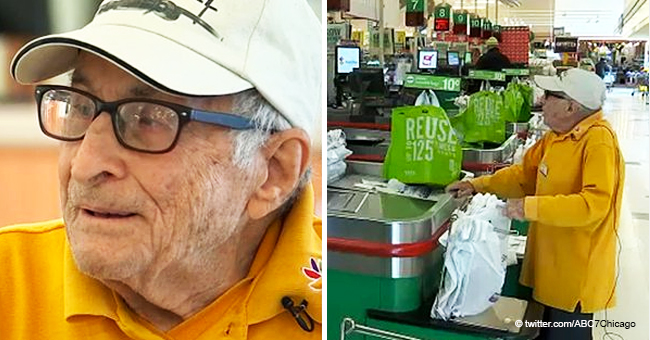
[(559, 95), (140, 124)]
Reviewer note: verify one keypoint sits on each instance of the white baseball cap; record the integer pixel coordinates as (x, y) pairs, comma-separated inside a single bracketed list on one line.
[(198, 48), (580, 85)]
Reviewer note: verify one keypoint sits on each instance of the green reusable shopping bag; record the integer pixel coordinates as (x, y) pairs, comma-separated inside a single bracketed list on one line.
[(484, 118), (527, 94), (513, 100), (424, 148)]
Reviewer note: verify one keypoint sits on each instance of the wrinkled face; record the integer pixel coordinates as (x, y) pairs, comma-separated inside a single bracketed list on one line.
[(129, 213), (557, 112)]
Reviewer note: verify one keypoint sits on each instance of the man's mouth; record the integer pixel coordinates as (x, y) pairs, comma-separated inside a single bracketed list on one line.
[(108, 214)]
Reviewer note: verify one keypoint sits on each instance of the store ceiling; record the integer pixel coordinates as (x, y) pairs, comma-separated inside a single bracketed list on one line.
[(578, 17)]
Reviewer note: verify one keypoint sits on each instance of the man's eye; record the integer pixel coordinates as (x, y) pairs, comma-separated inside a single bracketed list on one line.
[(83, 110), (146, 121)]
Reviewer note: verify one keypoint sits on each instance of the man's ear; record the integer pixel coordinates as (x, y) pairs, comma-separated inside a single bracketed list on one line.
[(285, 159)]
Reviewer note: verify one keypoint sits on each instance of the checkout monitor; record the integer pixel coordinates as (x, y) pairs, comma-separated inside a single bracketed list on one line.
[(468, 57), (453, 59), (347, 59), (427, 60)]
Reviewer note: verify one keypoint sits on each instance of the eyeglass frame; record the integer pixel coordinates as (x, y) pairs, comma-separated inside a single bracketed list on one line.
[(185, 115)]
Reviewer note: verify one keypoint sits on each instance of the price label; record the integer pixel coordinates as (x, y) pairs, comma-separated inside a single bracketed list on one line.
[(440, 83), (487, 75)]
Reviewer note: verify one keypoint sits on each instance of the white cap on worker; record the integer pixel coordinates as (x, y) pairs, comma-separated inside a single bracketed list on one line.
[(580, 85), (199, 48)]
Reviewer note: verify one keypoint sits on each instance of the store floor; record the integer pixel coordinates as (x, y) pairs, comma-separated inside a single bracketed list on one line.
[(630, 118)]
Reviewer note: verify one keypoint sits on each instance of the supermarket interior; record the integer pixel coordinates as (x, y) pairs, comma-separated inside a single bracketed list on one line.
[(422, 94)]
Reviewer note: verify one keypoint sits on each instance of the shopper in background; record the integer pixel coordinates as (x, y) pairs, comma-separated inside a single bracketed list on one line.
[(187, 209), (569, 187), (493, 59), (602, 68)]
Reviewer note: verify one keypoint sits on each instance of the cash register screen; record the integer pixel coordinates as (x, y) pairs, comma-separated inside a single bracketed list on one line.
[(453, 59), (468, 57), (427, 60), (347, 59)]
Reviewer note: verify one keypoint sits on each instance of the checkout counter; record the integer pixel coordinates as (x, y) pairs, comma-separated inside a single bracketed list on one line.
[(385, 266), (384, 259)]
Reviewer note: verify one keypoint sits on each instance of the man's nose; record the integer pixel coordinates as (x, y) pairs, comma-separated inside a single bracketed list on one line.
[(98, 155)]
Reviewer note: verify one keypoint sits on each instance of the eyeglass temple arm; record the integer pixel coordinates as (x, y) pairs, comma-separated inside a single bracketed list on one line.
[(223, 119)]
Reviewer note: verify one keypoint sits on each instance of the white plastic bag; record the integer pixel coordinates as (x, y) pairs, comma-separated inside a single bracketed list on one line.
[(427, 97), (475, 259), (336, 154), (336, 146), (335, 170)]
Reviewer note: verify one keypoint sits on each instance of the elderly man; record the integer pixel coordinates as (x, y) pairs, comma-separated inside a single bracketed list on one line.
[(569, 188), (187, 209)]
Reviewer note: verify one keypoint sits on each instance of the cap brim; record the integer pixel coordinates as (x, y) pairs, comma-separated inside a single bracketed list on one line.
[(550, 83), (154, 59)]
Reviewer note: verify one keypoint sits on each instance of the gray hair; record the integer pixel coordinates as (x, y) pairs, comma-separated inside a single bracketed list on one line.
[(583, 110), (267, 119)]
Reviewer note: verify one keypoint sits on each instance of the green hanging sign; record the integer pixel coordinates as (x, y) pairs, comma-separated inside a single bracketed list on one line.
[(439, 83), (460, 18), (475, 22), (442, 17), (415, 6), (442, 10), (487, 25)]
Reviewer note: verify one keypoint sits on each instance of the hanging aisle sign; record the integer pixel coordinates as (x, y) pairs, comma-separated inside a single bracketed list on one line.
[(475, 26), (336, 33), (496, 32), (461, 20), (566, 45), (487, 28), (415, 13), (442, 17)]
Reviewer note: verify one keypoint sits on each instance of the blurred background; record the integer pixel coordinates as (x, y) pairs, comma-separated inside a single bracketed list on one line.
[(28, 159)]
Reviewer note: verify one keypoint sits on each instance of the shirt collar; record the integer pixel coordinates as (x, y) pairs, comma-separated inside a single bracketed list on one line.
[(581, 128), (83, 295), (294, 267)]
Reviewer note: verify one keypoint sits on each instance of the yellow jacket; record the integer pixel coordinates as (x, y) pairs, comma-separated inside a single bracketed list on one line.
[(572, 184), (44, 296)]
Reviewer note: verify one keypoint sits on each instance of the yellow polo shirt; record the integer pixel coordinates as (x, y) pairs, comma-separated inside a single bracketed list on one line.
[(44, 296), (572, 184)]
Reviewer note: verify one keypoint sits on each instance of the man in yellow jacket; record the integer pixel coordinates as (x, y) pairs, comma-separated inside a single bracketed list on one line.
[(569, 187), (187, 211)]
